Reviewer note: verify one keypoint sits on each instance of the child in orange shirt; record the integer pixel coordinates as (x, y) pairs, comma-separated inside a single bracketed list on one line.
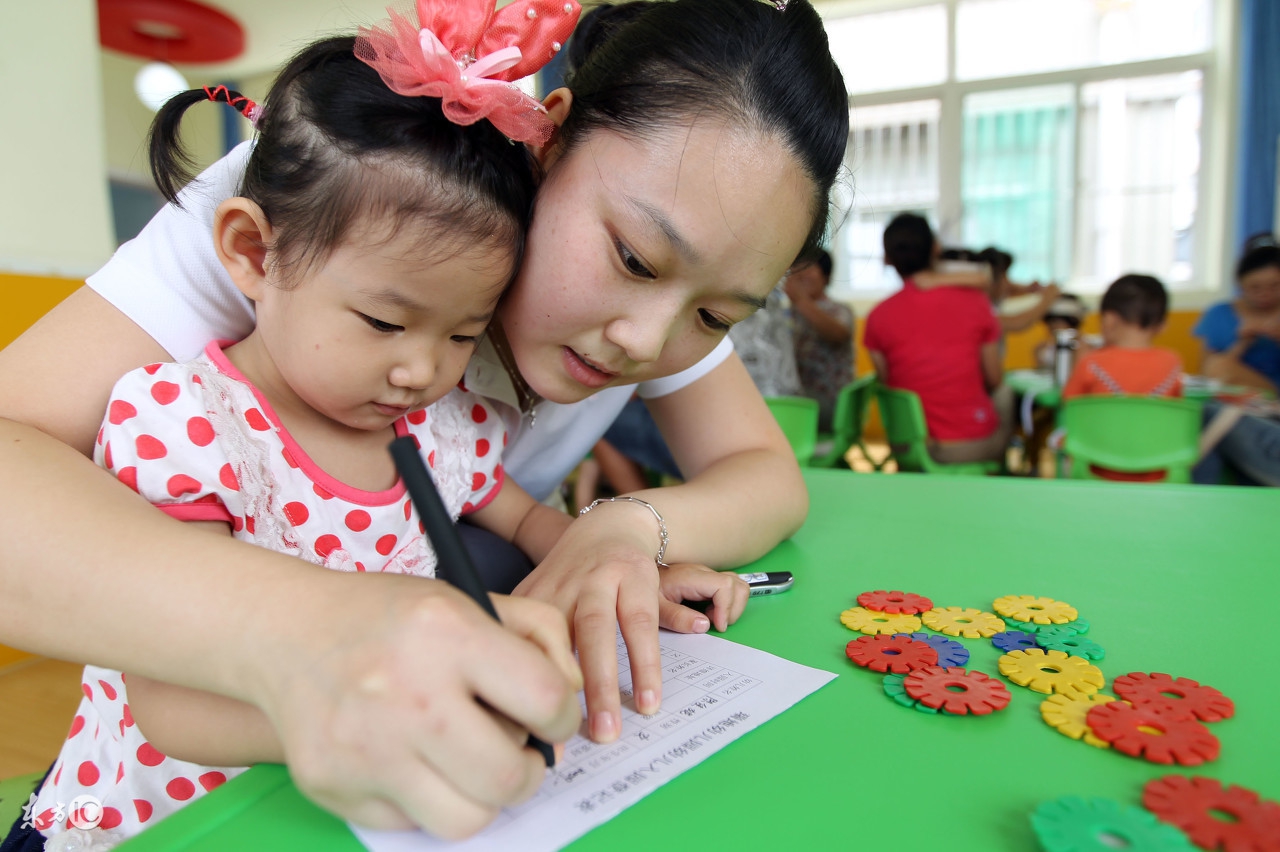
[(1133, 313)]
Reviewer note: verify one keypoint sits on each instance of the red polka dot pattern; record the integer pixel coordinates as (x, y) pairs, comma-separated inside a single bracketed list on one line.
[(164, 392), (144, 809), (256, 421), (417, 418), (482, 447), (478, 413), (326, 544), (296, 513), (120, 411), (149, 756), (180, 484), (200, 431), (150, 448), (227, 477), (210, 780), (358, 520), (180, 789), (87, 774), (111, 818)]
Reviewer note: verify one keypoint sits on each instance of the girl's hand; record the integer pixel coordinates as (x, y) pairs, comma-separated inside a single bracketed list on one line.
[(384, 711), (602, 575), (727, 592)]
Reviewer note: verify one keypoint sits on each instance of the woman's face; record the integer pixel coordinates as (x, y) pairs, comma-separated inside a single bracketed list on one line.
[(643, 252), (1260, 289)]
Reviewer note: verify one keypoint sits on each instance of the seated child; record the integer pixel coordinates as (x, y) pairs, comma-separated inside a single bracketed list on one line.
[(1067, 311), (942, 343), (1133, 313)]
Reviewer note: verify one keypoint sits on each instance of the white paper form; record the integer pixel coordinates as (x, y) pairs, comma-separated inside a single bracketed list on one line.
[(713, 692)]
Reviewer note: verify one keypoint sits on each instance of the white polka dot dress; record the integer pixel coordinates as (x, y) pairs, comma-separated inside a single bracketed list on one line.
[(201, 444)]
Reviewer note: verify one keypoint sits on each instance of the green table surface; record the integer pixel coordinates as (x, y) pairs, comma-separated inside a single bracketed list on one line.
[(1168, 575)]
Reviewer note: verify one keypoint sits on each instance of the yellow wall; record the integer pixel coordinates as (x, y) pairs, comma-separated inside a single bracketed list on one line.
[(26, 298)]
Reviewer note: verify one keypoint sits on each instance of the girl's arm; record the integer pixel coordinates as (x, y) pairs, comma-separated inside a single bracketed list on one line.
[(743, 494), (318, 651), (198, 726)]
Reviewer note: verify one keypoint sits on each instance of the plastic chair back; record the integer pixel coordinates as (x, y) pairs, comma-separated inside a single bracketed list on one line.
[(1132, 434), (908, 434), (798, 417), (847, 422)]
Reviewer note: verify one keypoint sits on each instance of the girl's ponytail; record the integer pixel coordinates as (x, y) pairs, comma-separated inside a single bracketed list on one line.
[(171, 166)]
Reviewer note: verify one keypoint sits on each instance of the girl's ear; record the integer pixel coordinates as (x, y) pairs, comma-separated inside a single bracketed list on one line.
[(241, 237), (558, 104)]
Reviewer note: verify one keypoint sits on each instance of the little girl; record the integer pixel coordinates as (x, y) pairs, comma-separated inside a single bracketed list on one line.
[(381, 217)]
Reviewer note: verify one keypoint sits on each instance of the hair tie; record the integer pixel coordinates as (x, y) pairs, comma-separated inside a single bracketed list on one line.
[(237, 101), (468, 56)]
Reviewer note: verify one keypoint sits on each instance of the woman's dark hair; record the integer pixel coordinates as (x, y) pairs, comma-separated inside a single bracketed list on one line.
[(336, 148), (1139, 300), (1260, 251), (908, 244), (636, 68)]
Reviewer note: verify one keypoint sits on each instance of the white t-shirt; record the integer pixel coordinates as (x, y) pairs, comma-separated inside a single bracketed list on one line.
[(169, 281)]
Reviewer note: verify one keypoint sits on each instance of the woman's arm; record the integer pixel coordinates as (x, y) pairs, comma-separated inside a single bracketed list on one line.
[(743, 494), (374, 728), (1023, 320), (1227, 367)]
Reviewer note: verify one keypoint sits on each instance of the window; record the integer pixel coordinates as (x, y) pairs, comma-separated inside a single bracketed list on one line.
[(1067, 132)]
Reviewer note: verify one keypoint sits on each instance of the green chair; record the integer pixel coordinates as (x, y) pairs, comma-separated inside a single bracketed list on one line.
[(798, 417), (904, 425), (1132, 434), (847, 421), (14, 794)]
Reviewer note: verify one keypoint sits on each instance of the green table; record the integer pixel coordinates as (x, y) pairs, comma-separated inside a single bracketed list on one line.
[(1169, 576)]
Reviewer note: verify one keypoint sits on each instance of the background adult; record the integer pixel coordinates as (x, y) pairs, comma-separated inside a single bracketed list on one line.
[(1241, 338), (823, 331), (632, 275)]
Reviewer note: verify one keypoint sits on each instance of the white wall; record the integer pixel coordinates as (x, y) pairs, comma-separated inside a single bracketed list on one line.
[(55, 216)]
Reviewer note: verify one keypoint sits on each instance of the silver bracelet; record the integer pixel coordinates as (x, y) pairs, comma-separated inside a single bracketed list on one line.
[(662, 525)]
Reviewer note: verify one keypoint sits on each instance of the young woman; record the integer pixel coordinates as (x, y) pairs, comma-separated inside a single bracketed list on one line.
[(696, 147)]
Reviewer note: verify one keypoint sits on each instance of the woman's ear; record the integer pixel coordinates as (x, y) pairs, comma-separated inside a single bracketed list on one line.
[(242, 236), (558, 103)]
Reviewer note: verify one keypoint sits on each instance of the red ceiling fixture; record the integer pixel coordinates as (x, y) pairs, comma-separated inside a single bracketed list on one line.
[(180, 31)]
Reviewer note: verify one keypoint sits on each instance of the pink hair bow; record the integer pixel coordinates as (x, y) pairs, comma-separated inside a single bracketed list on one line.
[(468, 55)]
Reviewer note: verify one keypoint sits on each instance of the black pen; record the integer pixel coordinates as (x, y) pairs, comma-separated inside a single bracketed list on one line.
[(453, 563)]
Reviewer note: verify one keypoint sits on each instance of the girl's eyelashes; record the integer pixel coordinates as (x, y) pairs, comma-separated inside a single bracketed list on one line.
[(712, 321), (466, 339), (629, 260), (379, 325)]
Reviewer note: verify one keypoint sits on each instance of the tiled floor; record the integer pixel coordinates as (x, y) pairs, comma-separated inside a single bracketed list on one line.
[(38, 697)]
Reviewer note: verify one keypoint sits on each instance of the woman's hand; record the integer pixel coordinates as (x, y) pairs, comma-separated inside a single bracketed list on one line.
[(727, 592), (410, 706), (602, 575)]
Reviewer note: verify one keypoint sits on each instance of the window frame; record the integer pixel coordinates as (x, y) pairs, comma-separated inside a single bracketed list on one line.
[(1212, 276)]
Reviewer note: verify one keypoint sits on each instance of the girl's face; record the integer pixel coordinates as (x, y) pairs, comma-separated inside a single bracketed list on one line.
[(643, 252), (1260, 289), (383, 328)]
